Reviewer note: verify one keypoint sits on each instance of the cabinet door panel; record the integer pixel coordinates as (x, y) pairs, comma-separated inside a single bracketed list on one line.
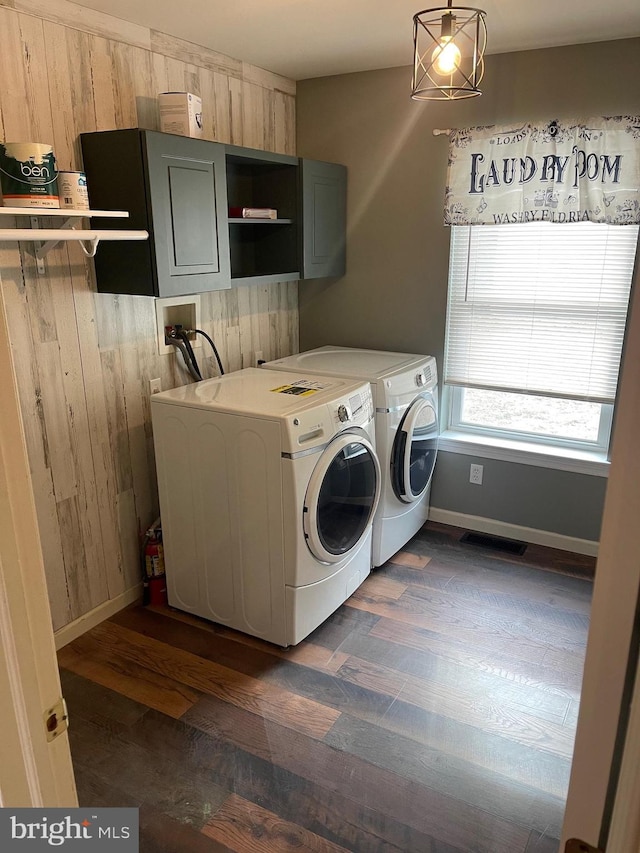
[(192, 220), (325, 234), (188, 200), (324, 214)]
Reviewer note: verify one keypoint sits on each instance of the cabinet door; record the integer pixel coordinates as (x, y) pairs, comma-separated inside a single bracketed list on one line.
[(324, 219), (188, 200)]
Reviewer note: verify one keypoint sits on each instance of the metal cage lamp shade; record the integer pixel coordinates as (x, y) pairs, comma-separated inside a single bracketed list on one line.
[(449, 45)]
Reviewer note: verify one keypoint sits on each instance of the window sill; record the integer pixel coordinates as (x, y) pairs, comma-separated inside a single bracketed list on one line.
[(525, 453)]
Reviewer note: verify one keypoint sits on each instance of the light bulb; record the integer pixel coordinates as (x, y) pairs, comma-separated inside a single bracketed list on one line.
[(446, 56)]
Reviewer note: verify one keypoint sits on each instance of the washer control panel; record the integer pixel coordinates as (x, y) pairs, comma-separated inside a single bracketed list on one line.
[(356, 409), (319, 424)]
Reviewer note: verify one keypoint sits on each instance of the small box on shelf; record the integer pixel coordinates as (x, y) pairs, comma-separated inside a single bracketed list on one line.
[(181, 113), (253, 213)]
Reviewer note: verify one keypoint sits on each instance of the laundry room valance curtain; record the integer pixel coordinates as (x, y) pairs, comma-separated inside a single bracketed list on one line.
[(555, 171)]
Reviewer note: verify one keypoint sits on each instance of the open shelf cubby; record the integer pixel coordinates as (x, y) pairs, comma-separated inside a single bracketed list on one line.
[(263, 247)]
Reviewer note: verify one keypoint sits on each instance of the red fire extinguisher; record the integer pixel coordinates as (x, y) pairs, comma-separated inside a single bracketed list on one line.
[(154, 574), (153, 555)]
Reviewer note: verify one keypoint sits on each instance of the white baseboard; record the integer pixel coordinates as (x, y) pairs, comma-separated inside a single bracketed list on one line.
[(94, 617), (514, 531)]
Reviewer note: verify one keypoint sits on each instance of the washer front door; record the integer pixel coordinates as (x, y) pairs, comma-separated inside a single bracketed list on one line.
[(341, 498), (414, 450)]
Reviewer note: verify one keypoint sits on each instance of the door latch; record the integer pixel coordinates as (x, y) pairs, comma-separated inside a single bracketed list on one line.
[(56, 720)]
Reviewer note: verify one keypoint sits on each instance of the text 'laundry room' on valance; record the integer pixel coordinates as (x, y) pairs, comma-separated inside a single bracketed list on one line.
[(557, 171)]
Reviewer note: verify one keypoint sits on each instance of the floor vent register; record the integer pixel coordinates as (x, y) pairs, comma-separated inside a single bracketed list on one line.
[(495, 543)]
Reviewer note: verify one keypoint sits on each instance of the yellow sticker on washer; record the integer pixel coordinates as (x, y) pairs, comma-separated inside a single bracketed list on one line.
[(297, 390)]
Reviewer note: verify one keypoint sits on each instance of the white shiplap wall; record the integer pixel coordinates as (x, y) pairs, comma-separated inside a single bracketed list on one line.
[(83, 359)]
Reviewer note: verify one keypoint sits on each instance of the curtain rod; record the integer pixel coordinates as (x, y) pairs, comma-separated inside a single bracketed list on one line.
[(441, 131)]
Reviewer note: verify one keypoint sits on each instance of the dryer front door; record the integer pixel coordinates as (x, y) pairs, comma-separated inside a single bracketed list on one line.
[(413, 456), (341, 498)]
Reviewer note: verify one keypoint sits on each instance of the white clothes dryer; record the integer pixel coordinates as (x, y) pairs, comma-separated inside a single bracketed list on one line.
[(268, 486), (405, 394)]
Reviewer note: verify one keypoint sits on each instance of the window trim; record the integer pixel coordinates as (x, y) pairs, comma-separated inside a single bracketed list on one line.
[(579, 458), (600, 445)]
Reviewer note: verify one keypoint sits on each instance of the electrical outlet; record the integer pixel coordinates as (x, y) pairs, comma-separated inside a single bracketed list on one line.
[(258, 358), (475, 474), (155, 385)]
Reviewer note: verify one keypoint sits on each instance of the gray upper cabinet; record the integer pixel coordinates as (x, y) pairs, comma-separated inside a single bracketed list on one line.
[(324, 219), (173, 186), (181, 190)]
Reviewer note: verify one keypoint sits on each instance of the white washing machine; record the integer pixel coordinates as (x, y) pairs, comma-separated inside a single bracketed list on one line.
[(268, 486), (405, 394)]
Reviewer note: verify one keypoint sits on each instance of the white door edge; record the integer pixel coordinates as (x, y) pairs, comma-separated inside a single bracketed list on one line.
[(624, 833), (613, 609), (33, 772)]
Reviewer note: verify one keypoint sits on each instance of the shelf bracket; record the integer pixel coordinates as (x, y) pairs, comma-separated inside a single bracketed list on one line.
[(49, 238), (35, 223), (43, 249)]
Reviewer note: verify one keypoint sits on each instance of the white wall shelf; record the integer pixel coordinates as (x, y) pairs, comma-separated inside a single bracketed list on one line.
[(61, 211), (48, 238)]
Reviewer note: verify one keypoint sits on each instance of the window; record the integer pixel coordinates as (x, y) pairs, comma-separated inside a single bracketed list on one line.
[(553, 421), (535, 324)]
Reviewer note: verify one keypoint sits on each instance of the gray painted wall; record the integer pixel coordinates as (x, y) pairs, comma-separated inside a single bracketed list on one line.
[(394, 293), (542, 498)]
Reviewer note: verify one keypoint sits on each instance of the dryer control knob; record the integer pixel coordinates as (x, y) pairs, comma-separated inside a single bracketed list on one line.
[(343, 414), (420, 379)]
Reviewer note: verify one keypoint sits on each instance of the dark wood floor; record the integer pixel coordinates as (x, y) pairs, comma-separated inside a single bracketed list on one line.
[(433, 713)]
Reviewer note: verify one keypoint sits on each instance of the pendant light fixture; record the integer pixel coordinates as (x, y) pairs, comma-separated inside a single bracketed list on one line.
[(449, 45)]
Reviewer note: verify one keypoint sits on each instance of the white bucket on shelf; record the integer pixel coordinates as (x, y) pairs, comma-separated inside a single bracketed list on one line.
[(72, 190), (28, 175)]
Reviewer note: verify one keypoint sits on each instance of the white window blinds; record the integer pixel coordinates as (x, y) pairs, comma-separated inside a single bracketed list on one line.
[(539, 308)]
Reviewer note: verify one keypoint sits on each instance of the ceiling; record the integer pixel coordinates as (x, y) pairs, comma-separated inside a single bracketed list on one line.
[(301, 39)]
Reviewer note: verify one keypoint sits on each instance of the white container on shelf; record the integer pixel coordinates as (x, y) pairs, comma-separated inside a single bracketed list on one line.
[(181, 113), (72, 191)]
